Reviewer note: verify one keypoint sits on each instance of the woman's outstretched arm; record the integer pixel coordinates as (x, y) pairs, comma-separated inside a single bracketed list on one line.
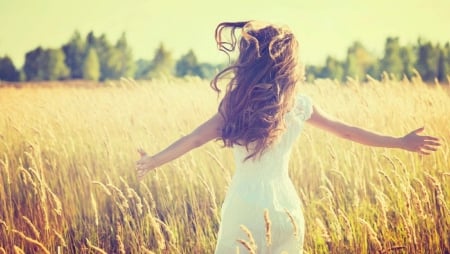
[(411, 142), (207, 131)]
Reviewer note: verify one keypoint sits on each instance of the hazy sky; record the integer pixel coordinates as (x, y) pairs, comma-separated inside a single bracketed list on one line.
[(323, 27)]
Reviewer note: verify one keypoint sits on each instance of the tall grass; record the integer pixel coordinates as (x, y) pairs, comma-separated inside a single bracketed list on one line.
[(67, 182)]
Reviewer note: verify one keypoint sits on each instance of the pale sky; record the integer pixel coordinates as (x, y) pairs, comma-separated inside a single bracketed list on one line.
[(323, 27)]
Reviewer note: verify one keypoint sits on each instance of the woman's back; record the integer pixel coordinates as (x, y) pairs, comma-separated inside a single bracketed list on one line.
[(262, 184)]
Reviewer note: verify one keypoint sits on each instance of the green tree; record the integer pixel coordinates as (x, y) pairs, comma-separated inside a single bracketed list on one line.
[(105, 55), (447, 61), (209, 70), (75, 52), (187, 65), (45, 64), (124, 64), (312, 72), (33, 63), (143, 68), (91, 66), (443, 67), (427, 60), (162, 63), (333, 69), (374, 70), (8, 71), (391, 61), (408, 56), (358, 62), (53, 65)]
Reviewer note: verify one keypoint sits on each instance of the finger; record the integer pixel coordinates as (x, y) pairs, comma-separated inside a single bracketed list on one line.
[(429, 148), (430, 138), (423, 151), (141, 152), (419, 130), (429, 142)]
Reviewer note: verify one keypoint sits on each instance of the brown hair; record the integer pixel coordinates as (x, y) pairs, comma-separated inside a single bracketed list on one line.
[(262, 84)]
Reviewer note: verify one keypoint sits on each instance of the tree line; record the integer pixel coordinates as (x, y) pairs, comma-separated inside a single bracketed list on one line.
[(431, 61), (95, 58)]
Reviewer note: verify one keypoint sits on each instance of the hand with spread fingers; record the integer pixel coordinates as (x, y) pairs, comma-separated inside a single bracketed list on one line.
[(421, 144), (144, 164)]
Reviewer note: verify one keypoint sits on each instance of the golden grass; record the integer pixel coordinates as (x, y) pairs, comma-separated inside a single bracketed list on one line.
[(67, 181)]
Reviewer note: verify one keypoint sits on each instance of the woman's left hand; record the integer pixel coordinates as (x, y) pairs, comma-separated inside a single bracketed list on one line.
[(144, 164)]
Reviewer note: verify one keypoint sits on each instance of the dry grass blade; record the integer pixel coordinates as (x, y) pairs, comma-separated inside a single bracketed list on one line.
[(267, 228), (294, 225), (32, 241), (18, 250), (62, 242), (104, 188), (372, 236), (251, 241), (247, 245), (95, 248), (32, 227), (2, 222)]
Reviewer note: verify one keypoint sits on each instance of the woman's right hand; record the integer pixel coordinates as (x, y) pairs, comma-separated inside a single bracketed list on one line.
[(421, 144), (144, 164)]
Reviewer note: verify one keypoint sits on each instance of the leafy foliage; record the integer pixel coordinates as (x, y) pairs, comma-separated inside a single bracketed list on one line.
[(8, 71), (75, 51), (45, 64), (431, 61), (188, 65), (91, 66)]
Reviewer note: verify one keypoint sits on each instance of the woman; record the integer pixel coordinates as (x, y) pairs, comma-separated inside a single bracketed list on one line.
[(260, 117)]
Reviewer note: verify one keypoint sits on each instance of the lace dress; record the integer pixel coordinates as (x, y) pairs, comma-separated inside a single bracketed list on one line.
[(264, 185)]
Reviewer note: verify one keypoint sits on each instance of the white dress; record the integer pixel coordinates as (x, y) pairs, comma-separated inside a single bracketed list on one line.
[(264, 185)]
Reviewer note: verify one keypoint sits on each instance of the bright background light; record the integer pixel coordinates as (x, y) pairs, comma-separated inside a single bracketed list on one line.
[(323, 27)]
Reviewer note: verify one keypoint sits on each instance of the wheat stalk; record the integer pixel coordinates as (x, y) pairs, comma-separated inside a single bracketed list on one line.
[(145, 250), (120, 194), (267, 227), (56, 201), (372, 235), (294, 225), (18, 250), (251, 241), (32, 227), (167, 229), (61, 238), (31, 240), (2, 222), (247, 245), (326, 236), (160, 240), (104, 188), (97, 249)]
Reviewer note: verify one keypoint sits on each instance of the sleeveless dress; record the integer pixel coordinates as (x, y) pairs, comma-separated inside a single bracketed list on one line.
[(262, 186)]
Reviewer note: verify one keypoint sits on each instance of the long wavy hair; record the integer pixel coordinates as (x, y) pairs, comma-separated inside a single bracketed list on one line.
[(262, 83)]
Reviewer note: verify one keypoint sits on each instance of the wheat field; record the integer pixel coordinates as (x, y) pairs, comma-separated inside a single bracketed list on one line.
[(68, 184)]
